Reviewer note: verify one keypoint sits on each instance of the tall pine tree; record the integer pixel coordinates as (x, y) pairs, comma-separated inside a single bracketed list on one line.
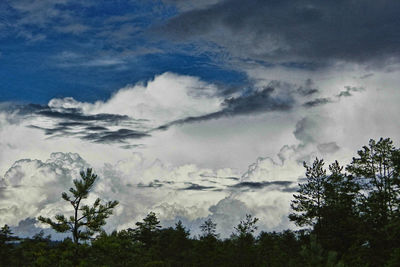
[(86, 220)]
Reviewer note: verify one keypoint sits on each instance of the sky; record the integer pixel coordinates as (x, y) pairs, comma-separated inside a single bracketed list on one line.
[(191, 109)]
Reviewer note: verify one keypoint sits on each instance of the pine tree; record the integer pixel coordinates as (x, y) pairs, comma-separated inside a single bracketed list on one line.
[(246, 226), (208, 229), (377, 170), (340, 220), (86, 220), (308, 203), (146, 231)]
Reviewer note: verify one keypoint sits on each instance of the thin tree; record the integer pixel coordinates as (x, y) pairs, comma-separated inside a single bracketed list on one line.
[(246, 226), (308, 203), (86, 220)]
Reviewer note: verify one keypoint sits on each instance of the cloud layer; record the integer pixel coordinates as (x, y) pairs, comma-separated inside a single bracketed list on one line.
[(300, 31)]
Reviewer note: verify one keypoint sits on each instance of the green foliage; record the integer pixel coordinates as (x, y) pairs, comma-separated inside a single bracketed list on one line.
[(86, 220), (6, 235), (377, 169), (146, 231), (209, 229), (6, 239), (246, 226), (307, 205)]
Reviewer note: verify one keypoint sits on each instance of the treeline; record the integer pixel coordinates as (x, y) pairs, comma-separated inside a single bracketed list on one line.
[(347, 216)]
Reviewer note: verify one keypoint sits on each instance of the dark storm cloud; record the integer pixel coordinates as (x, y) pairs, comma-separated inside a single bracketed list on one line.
[(317, 102), (301, 31), (73, 116), (252, 103), (260, 185), (257, 102), (92, 127), (198, 187), (118, 136), (99, 135), (76, 115)]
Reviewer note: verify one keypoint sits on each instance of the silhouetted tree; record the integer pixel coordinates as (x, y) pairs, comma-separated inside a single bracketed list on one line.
[(86, 220), (209, 229), (340, 221), (6, 239), (244, 241), (376, 170), (308, 203), (246, 226), (146, 231)]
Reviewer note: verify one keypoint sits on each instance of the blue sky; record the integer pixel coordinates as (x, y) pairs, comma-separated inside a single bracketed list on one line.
[(192, 109), (96, 49)]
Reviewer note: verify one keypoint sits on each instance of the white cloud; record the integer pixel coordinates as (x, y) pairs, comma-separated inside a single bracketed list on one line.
[(207, 156), (33, 187), (167, 98)]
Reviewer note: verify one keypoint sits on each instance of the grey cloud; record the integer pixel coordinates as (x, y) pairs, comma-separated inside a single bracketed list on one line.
[(33, 16), (300, 31), (277, 185), (304, 130), (211, 176), (120, 136), (308, 89), (95, 134), (349, 90), (290, 189), (96, 128), (198, 187), (185, 5), (259, 101), (253, 103), (27, 228), (73, 114), (93, 127), (227, 213), (132, 146), (317, 102), (330, 147), (367, 76), (153, 184)]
